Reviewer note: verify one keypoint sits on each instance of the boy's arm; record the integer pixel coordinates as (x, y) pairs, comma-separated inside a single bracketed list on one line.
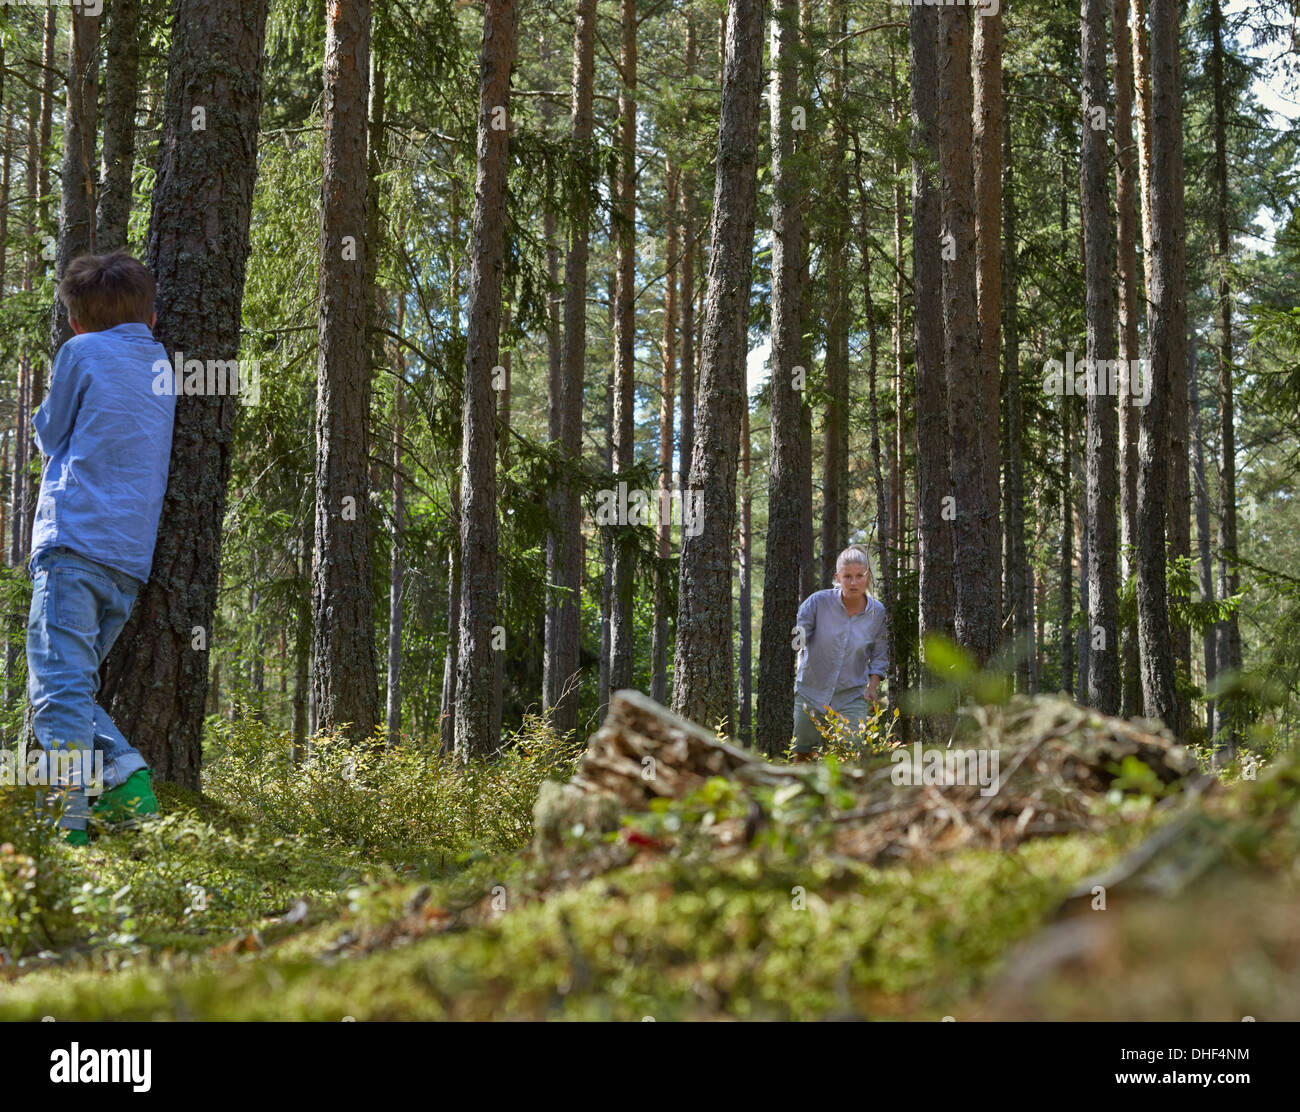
[(54, 421)]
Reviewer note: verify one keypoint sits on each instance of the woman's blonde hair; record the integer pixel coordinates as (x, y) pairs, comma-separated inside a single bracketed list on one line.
[(856, 554)]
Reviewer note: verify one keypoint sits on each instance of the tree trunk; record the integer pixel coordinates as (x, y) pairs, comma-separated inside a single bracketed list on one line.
[(121, 86), (563, 632), (455, 401), (781, 574), (1167, 337), (704, 682), (933, 476), (1142, 120), (835, 458), (745, 734), (1229, 632), (77, 195), (1067, 554), (397, 566), (1129, 353), (1018, 592), (987, 141), (476, 671), (1205, 565), (667, 405), (155, 680), (972, 424), (621, 623), (347, 694), (1101, 640), (36, 369)]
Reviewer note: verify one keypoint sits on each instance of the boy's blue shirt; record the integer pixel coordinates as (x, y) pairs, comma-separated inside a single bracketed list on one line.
[(109, 439)]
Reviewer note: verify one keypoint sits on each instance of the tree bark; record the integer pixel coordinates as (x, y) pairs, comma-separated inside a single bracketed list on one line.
[(121, 87), (704, 681), (971, 424), (781, 574), (563, 631), (621, 620), (397, 565), (835, 457), (77, 193), (347, 694), (933, 477), (476, 672), (1018, 590), (1229, 632), (1129, 309), (667, 406), (1102, 636), (745, 734), (155, 680), (1205, 563), (1166, 333), (987, 140)]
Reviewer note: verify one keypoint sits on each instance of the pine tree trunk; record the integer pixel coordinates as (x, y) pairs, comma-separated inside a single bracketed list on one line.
[(155, 682), (1129, 309), (972, 413), (397, 565), (1018, 591), (455, 402), (704, 681), (1229, 632), (1142, 121), (121, 87), (835, 457), (781, 573), (621, 621), (562, 638), (746, 732), (347, 694), (476, 671), (667, 406), (1166, 334), (1067, 553), (77, 195), (933, 481), (1101, 638), (987, 145), (1205, 564)]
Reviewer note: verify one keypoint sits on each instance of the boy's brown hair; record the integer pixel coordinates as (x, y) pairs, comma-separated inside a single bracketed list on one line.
[(103, 291)]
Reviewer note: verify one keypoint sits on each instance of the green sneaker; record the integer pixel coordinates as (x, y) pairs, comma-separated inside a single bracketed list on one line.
[(128, 804), (77, 838)]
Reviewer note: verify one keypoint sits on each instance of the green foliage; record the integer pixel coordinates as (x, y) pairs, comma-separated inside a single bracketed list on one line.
[(401, 801)]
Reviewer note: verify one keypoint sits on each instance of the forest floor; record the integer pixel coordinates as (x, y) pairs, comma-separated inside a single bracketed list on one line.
[(405, 888)]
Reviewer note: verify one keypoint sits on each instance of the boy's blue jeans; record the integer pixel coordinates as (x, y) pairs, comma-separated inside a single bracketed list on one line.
[(78, 609)]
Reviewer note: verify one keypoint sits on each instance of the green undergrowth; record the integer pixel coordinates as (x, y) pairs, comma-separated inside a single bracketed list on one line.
[(663, 938), (394, 884)]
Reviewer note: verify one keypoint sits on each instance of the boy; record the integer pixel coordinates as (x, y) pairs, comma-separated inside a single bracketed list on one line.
[(845, 651), (107, 436)]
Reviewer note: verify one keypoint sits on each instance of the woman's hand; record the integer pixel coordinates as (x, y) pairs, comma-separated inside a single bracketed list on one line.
[(873, 690)]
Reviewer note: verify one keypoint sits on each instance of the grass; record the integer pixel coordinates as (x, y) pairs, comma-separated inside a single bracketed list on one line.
[(393, 884)]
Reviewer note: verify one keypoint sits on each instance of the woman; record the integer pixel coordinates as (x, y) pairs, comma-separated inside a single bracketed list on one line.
[(844, 653)]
